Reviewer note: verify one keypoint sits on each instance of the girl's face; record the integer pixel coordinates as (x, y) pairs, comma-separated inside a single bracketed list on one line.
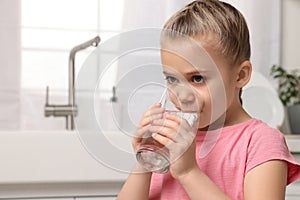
[(195, 82)]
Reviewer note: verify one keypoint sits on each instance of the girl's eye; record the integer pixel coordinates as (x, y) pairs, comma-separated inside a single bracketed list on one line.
[(197, 79), (171, 79)]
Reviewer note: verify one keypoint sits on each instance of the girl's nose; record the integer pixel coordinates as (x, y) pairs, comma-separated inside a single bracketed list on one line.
[(186, 96)]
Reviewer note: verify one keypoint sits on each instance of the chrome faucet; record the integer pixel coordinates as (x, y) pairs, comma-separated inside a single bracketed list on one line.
[(69, 110)]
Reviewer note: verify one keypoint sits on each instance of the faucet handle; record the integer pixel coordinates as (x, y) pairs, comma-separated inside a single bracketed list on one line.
[(47, 95), (114, 96)]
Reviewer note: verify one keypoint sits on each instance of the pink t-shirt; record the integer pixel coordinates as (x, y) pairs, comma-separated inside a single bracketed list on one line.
[(226, 155)]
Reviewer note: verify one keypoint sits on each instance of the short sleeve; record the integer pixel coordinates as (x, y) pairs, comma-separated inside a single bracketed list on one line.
[(267, 144)]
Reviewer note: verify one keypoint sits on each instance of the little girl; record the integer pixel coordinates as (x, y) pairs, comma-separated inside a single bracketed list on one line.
[(246, 159)]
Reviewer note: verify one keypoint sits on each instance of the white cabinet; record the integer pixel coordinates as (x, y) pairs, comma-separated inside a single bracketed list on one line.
[(293, 190), (53, 166), (292, 198)]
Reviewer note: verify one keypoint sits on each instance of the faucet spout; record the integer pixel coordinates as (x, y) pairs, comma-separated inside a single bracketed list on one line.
[(70, 110), (93, 42)]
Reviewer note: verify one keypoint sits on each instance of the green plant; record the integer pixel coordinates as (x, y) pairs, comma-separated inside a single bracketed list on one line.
[(288, 84)]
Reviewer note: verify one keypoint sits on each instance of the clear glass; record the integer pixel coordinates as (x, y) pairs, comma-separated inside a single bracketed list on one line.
[(154, 156)]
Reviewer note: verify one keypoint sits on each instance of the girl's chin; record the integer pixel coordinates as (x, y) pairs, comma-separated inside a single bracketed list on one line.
[(203, 127), (210, 125)]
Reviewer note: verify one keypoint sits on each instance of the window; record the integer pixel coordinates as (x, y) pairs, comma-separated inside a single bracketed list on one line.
[(51, 28)]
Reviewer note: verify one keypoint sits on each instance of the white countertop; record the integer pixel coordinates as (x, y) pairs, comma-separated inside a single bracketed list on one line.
[(49, 157), (293, 142), (56, 163), (34, 162)]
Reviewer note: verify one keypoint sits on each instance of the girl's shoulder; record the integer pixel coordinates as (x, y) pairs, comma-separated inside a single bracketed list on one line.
[(253, 129), (265, 143)]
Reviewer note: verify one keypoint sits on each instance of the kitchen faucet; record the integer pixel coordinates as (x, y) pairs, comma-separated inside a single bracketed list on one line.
[(69, 110)]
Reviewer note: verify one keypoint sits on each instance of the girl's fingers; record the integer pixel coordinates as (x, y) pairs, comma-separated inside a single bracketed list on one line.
[(141, 131), (166, 132), (148, 120), (138, 136), (172, 121), (162, 139), (187, 131), (172, 128), (177, 145), (153, 113), (154, 109), (165, 122), (168, 129)]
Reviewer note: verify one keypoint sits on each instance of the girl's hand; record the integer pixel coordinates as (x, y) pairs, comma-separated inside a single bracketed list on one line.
[(155, 112), (179, 137)]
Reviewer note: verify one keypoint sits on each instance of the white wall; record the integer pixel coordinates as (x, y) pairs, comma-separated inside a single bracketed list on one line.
[(10, 59), (263, 19), (290, 34)]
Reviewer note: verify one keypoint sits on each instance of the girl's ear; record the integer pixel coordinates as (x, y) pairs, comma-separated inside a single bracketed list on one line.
[(244, 74)]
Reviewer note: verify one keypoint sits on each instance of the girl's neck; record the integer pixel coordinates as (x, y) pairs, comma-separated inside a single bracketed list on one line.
[(233, 115)]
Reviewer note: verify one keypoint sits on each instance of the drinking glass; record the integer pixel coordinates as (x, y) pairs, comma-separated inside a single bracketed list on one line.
[(154, 156)]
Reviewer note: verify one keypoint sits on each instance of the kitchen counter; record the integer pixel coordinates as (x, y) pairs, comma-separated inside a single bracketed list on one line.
[(293, 142), (52, 164), (36, 164)]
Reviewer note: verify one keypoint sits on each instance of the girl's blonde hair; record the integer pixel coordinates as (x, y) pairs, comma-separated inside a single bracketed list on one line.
[(222, 25)]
